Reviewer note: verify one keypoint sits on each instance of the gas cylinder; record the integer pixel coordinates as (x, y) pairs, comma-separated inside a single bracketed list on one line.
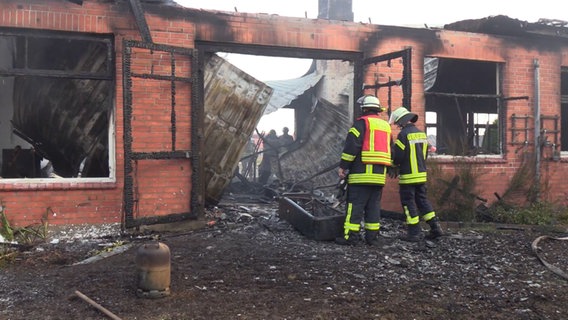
[(153, 266)]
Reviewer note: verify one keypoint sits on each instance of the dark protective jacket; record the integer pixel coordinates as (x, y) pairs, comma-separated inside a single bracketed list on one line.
[(367, 150), (410, 153)]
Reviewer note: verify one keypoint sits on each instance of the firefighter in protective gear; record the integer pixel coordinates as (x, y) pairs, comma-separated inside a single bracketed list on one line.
[(409, 154), (364, 161)]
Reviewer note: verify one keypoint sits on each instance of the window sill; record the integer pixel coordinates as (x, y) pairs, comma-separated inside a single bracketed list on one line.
[(477, 159), (57, 184)]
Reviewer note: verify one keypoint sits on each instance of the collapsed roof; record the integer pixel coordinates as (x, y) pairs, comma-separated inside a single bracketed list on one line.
[(503, 25), (286, 91)]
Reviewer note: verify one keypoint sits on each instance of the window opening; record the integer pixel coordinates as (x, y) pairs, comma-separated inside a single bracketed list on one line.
[(56, 105), (463, 101), (564, 109), (431, 127)]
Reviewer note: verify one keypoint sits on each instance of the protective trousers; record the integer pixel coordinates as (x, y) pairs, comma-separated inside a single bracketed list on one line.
[(415, 203), (363, 203)]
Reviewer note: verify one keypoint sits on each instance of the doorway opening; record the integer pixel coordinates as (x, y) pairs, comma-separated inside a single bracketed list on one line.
[(316, 106), (244, 101)]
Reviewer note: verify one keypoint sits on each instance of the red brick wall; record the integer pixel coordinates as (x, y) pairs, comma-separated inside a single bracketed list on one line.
[(161, 187), (102, 202)]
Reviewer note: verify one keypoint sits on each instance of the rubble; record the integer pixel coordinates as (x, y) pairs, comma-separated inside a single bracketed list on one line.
[(251, 264)]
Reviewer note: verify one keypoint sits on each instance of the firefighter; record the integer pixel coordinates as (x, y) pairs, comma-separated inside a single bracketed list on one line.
[(364, 161), (285, 140), (409, 156), (269, 157)]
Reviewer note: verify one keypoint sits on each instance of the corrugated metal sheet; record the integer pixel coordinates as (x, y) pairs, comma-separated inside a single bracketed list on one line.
[(234, 103), (286, 91), (321, 147)]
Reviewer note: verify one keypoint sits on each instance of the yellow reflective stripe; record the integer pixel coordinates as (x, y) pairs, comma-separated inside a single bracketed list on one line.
[(400, 144), (351, 227), (355, 132), (410, 178), (375, 153), (375, 178), (429, 216), (368, 176), (376, 157), (409, 219), (413, 140), (413, 159), (372, 226), (417, 137), (347, 157), (348, 226)]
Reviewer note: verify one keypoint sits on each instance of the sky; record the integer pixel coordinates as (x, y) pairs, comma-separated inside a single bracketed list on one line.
[(417, 13), (410, 12)]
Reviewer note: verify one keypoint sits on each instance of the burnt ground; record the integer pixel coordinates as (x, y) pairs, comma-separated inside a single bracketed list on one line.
[(248, 264)]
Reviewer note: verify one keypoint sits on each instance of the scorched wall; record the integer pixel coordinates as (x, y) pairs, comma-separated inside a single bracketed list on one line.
[(168, 187)]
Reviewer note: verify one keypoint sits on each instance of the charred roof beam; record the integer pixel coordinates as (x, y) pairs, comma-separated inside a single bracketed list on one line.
[(141, 20)]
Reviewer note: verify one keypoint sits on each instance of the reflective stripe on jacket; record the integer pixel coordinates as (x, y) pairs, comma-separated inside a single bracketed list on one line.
[(376, 141), (357, 138), (410, 152)]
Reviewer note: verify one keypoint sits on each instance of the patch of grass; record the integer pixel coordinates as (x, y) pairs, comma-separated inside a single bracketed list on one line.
[(5, 228), (536, 213), (28, 235)]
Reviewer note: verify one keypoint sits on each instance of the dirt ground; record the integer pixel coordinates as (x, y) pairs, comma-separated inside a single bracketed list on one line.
[(249, 264)]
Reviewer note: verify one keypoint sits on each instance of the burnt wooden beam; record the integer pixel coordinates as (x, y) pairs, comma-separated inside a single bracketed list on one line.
[(384, 57), (463, 95), (161, 155), (140, 20)]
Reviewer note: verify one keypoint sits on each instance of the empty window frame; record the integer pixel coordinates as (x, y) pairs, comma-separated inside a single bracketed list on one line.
[(463, 104), (431, 127), (56, 105), (564, 109)]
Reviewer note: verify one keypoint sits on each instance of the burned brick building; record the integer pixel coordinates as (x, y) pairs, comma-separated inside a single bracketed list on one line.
[(104, 114)]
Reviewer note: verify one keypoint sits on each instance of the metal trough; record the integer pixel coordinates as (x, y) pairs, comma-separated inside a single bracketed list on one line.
[(321, 223)]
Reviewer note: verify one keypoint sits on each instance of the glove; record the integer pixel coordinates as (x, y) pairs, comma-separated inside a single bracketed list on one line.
[(392, 172)]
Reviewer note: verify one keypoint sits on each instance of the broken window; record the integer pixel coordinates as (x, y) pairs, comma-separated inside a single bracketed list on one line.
[(56, 104), (564, 109), (462, 106)]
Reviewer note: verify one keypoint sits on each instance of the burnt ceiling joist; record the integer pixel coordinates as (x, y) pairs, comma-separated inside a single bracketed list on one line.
[(141, 20)]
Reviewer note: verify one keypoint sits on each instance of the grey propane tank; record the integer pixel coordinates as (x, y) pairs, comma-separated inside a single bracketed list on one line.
[(153, 266)]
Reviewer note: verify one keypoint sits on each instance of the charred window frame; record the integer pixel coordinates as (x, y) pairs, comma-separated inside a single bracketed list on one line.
[(56, 105), (564, 109), (464, 106)]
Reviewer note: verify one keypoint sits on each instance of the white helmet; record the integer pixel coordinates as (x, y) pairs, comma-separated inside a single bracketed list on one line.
[(401, 116), (370, 101)]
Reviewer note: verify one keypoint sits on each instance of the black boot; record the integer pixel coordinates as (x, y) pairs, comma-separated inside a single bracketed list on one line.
[(350, 239), (435, 229), (372, 238), (413, 233)]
